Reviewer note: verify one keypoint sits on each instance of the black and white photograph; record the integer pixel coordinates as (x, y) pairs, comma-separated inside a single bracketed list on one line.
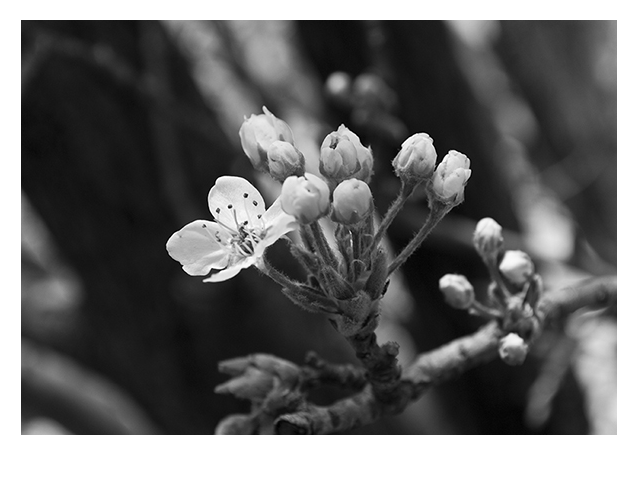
[(319, 227)]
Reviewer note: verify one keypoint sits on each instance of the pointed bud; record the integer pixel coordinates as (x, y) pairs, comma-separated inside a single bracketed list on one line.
[(286, 371), (285, 160), (352, 202), (305, 197), (234, 366), (450, 178), (253, 384), (458, 292), (517, 267), (257, 134), (512, 349), (416, 160), (488, 239)]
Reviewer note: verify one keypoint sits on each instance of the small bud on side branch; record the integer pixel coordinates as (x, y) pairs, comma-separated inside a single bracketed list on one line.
[(458, 292), (439, 365)]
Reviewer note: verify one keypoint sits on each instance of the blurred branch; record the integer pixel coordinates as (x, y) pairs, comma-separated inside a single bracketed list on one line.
[(594, 293), (54, 386), (45, 45)]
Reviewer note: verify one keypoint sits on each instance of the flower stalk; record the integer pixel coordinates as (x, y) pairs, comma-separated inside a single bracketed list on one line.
[(437, 213)]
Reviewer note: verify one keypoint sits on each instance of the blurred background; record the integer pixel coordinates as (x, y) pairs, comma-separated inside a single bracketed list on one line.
[(126, 125)]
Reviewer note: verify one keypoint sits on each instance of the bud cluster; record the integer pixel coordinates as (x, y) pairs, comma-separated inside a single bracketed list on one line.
[(270, 383), (268, 142), (514, 291)]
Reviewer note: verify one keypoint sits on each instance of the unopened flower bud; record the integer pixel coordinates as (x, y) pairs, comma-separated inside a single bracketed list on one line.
[(234, 366), (365, 157), (416, 160), (517, 267), (451, 177), (305, 197), (285, 160), (338, 157), (512, 349), (488, 239), (342, 156), (458, 292), (257, 134), (252, 384), (352, 201)]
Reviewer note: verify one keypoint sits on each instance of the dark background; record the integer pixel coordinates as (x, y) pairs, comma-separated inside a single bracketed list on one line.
[(126, 125)]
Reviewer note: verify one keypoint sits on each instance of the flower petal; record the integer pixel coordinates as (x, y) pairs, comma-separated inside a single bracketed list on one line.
[(277, 223), (231, 271), (196, 247), (233, 200)]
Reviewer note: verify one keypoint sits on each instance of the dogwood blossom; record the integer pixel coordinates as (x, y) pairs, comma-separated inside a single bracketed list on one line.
[(237, 238)]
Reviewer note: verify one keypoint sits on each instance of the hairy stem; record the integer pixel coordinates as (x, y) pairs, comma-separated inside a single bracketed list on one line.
[(322, 246), (438, 211), (394, 209)]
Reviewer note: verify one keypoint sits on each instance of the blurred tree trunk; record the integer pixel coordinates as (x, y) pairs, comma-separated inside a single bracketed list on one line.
[(566, 70), (119, 152)]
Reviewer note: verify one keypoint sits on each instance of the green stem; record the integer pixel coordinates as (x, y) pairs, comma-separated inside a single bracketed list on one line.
[(438, 211)]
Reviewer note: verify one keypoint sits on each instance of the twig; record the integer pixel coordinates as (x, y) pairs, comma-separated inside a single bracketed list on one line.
[(595, 293), (435, 216), (436, 366), (319, 372)]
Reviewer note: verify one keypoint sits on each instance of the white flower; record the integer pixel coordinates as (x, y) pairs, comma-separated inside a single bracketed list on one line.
[(237, 239)]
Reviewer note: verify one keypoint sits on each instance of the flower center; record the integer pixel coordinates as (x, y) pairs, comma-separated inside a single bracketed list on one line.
[(245, 241), (245, 235)]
